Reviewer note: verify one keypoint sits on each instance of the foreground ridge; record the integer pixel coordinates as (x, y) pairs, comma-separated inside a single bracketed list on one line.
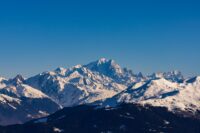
[(127, 118)]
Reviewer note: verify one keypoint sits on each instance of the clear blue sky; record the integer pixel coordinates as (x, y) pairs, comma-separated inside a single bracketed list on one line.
[(144, 35)]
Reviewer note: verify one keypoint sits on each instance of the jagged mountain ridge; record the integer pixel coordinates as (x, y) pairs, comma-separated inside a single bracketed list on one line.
[(83, 84), (88, 83), (176, 97), (20, 102), (174, 76)]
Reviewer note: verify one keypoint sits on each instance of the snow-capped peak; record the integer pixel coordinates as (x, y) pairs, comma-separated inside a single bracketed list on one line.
[(102, 63), (77, 66), (78, 85), (154, 89), (102, 60), (174, 76), (163, 84), (162, 93), (106, 67), (17, 80), (61, 70)]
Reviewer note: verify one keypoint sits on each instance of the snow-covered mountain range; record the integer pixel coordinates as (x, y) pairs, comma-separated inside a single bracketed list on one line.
[(20, 102), (101, 82), (161, 93)]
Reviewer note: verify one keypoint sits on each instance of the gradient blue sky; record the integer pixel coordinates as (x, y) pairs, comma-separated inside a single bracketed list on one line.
[(144, 35)]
